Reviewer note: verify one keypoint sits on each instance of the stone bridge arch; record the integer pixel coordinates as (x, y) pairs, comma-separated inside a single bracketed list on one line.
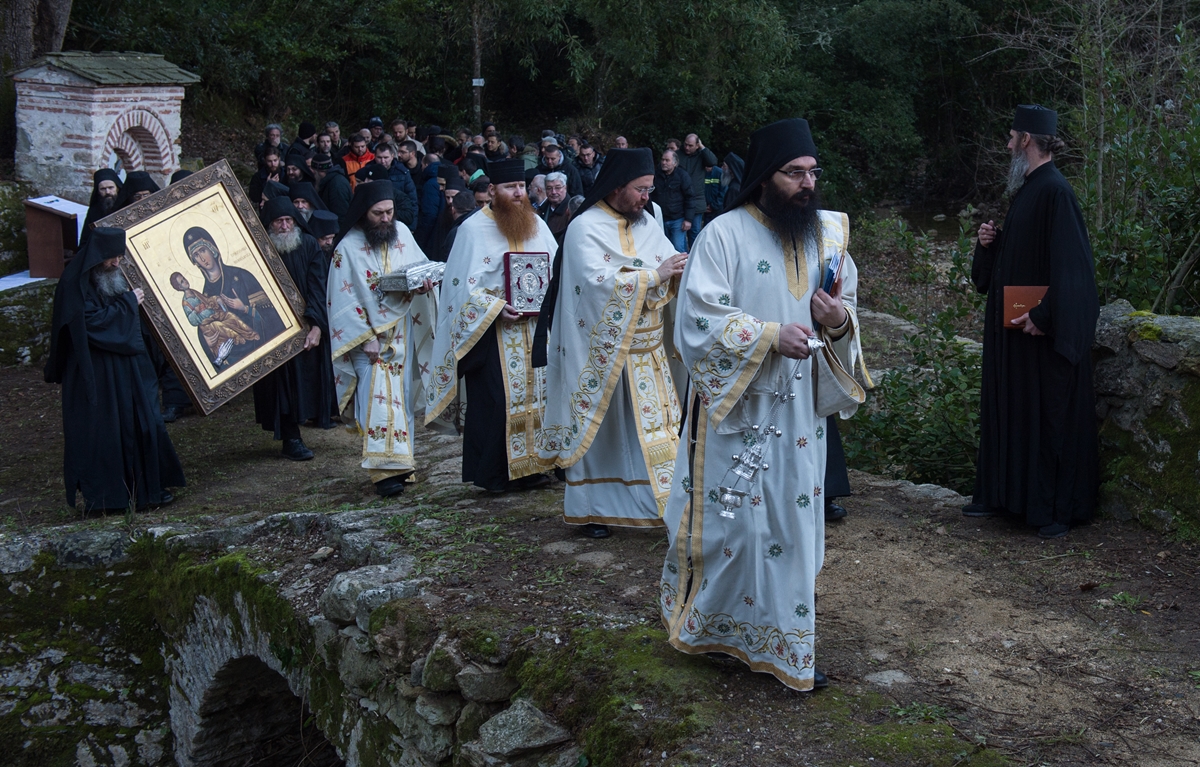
[(140, 140), (234, 702)]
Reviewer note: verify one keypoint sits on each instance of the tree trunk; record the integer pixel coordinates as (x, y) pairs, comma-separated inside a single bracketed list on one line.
[(31, 28)]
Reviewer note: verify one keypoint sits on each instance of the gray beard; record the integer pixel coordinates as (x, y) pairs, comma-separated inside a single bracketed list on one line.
[(110, 282), (307, 214), (378, 236), (1017, 170), (286, 243)]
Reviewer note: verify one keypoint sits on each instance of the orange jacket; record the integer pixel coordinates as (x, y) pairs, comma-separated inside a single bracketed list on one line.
[(354, 162)]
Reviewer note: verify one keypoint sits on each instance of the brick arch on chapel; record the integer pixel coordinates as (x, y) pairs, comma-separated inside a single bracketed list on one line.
[(139, 138)]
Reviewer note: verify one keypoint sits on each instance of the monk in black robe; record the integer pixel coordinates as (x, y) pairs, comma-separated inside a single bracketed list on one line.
[(301, 389), (1038, 453), (106, 190), (116, 448)]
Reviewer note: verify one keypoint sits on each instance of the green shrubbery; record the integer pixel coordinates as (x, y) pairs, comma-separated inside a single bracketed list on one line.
[(921, 421)]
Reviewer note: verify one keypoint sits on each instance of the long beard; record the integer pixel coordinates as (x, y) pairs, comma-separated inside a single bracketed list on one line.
[(795, 219), (305, 214), (107, 204), (1017, 169), (384, 234), (287, 242), (515, 219), (110, 282)]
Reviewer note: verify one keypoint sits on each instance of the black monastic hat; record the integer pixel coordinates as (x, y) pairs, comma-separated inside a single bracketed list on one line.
[(1035, 119), (304, 190), (772, 147), (180, 175), (506, 171), (322, 223)]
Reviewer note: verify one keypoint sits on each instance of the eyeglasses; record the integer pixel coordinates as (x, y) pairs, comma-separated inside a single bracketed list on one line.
[(796, 175), (646, 190)]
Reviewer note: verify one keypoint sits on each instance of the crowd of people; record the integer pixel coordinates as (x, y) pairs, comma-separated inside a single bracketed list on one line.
[(696, 341)]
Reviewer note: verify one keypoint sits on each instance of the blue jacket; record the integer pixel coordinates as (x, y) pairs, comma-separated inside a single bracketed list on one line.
[(406, 189), (429, 208), (714, 191)]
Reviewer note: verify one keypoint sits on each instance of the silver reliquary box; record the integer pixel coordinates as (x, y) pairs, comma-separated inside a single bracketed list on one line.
[(409, 277)]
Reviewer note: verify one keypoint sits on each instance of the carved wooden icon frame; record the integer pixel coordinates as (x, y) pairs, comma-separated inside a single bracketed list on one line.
[(220, 301)]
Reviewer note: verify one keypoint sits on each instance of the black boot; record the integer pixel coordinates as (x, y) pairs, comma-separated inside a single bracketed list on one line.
[(834, 511), (591, 530), (296, 450), (390, 487)]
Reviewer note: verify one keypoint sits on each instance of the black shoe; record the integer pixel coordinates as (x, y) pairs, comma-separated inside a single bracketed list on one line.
[(166, 500), (533, 481), (977, 510), (171, 413), (392, 486), (820, 681), (834, 511), (594, 531), (296, 450), (1056, 530)]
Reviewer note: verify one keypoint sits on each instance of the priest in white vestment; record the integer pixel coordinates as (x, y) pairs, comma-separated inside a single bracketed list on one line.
[(380, 339), (613, 422), (488, 341), (749, 301)]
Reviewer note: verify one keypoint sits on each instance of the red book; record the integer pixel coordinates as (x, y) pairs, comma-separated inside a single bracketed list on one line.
[(1019, 299)]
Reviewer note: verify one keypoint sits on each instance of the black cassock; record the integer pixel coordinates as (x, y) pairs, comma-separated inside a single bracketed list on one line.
[(302, 388), (485, 454), (116, 450), (1038, 455)]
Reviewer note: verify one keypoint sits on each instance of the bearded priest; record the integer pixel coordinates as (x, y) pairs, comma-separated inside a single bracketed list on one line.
[(749, 301), (380, 339), (614, 422), (486, 340)]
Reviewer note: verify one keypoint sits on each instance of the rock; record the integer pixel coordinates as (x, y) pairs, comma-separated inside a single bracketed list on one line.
[(888, 678), (520, 729), (472, 753), (439, 709), (442, 664), (149, 743), (358, 548), (220, 538), (1164, 355), (99, 713), (595, 558), (358, 667), (90, 549), (368, 601), (321, 554), (17, 556), (417, 671), (325, 632), (561, 757), (473, 716), (485, 684), (931, 493), (561, 547), (339, 602), (297, 523), (97, 677)]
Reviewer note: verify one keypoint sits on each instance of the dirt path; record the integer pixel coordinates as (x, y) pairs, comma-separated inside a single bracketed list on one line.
[(940, 634)]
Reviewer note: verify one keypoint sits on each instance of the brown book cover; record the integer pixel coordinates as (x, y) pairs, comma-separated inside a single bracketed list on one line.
[(1019, 299)]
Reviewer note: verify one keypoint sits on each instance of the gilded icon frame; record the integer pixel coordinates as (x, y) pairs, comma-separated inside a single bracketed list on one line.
[(246, 318)]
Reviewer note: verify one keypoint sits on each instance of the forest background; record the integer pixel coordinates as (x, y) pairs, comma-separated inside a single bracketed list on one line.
[(910, 100)]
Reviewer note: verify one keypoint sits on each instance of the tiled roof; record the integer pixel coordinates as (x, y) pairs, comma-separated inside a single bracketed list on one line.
[(111, 68)]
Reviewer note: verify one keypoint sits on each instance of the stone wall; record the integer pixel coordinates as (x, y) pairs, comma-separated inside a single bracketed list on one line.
[(25, 322), (247, 658), (1147, 378)]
